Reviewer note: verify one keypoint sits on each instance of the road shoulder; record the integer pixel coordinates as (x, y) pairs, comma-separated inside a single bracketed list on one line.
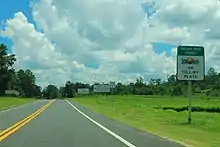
[(138, 137)]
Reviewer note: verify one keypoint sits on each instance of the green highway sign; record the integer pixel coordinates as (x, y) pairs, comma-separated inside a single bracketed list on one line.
[(190, 67), (190, 51), (190, 63)]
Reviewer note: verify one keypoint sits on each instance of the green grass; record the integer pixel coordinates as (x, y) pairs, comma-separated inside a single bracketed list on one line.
[(8, 102), (140, 112)]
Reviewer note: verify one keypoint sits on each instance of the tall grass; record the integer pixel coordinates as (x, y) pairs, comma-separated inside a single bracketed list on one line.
[(141, 112)]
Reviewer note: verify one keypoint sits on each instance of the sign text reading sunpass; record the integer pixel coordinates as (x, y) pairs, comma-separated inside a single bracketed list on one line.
[(190, 63)]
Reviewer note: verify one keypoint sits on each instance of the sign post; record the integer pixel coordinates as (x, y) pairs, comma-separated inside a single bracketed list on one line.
[(190, 101), (112, 86), (190, 67)]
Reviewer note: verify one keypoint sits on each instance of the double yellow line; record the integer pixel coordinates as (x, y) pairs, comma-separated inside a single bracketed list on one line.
[(9, 131)]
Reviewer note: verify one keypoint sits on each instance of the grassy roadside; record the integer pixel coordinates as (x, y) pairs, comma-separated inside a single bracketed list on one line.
[(7, 102), (140, 112)]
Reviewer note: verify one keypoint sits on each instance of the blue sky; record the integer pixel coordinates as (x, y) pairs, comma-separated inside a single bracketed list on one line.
[(148, 9), (160, 47), (9, 8)]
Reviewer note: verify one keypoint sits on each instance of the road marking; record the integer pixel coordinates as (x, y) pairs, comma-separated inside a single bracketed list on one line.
[(104, 128), (16, 107), (9, 131)]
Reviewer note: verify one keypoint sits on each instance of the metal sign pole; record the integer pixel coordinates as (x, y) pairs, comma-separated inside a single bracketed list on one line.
[(190, 101)]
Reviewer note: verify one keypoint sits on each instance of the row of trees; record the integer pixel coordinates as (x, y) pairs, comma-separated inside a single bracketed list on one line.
[(22, 80), (69, 90), (210, 87)]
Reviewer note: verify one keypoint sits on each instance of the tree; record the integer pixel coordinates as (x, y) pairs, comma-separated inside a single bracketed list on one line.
[(158, 81), (131, 87), (6, 62), (171, 79), (26, 80), (51, 92), (177, 91), (139, 80), (69, 89), (152, 82), (62, 92), (123, 89), (36, 91), (212, 72), (12, 83)]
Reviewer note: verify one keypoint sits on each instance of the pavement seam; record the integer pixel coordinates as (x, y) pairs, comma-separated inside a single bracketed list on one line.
[(102, 127)]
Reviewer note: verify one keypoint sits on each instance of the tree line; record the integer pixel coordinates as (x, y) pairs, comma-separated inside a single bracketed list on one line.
[(210, 86), (24, 82)]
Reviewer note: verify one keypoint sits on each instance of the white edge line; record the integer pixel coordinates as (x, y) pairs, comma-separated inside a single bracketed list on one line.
[(16, 107), (102, 127)]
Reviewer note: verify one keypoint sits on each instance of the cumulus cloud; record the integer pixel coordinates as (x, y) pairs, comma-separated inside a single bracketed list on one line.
[(103, 40), (195, 22)]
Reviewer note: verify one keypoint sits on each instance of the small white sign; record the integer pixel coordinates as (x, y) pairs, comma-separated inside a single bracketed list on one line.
[(101, 88), (83, 90), (12, 92), (190, 63)]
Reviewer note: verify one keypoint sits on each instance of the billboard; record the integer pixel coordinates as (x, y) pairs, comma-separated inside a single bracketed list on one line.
[(83, 90), (101, 88)]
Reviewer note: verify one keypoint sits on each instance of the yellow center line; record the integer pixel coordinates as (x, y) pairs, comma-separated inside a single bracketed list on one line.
[(25, 119), (9, 131)]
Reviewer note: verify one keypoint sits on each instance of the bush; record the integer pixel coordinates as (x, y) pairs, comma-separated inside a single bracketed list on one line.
[(194, 109)]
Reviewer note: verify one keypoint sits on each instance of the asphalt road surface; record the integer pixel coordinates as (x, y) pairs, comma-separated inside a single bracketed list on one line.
[(64, 124)]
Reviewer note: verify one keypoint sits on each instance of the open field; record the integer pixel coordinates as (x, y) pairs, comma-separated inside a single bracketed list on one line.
[(141, 112), (8, 102)]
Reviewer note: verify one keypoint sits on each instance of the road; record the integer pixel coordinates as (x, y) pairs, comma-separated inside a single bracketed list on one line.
[(63, 124)]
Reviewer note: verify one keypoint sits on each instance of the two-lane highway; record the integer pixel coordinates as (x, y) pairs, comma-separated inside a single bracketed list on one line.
[(13, 115), (62, 124)]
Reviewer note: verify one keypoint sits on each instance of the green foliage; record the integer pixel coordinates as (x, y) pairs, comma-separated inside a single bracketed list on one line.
[(194, 109), (50, 92), (26, 83), (208, 87), (6, 62), (69, 89), (62, 93), (22, 81)]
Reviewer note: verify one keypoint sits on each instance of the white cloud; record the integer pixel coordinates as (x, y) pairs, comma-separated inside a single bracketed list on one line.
[(103, 40), (30, 46), (199, 20)]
